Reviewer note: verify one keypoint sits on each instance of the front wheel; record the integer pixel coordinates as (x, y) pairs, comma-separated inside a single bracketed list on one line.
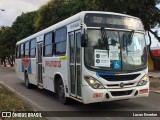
[(61, 93)]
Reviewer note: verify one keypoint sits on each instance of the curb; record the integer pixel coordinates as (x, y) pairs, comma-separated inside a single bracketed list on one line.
[(155, 91)]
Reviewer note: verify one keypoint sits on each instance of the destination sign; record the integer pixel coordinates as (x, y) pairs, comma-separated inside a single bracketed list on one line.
[(112, 21)]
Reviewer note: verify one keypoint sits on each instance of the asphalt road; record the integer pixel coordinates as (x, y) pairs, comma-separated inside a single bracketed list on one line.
[(44, 100)]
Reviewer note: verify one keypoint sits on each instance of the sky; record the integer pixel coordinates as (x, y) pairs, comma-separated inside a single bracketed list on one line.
[(14, 8), (158, 6)]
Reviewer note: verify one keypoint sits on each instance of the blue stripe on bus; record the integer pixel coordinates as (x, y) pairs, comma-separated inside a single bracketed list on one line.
[(29, 68), (105, 74)]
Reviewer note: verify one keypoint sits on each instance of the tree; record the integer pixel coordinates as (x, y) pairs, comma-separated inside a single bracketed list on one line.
[(6, 46), (24, 25), (21, 28), (46, 15), (55, 11)]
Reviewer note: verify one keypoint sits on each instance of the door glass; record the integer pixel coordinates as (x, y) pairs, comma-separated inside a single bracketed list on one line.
[(78, 80), (40, 63), (72, 48), (72, 63), (73, 81), (39, 53), (78, 61), (78, 38)]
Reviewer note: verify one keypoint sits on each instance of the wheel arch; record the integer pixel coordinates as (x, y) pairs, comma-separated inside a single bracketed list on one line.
[(57, 77)]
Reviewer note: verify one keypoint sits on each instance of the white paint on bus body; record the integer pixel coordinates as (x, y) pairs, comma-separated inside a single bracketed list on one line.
[(74, 26), (40, 38)]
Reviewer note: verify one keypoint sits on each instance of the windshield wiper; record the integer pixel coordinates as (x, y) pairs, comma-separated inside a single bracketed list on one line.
[(128, 40), (130, 36), (104, 38)]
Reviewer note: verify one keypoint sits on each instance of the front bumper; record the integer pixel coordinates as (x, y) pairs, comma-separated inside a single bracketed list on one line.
[(91, 95)]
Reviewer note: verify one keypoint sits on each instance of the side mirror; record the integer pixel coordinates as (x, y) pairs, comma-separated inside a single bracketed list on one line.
[(84, 40)]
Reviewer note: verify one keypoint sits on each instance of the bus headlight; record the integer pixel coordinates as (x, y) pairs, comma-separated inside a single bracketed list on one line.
[(143, 81), (93, 82)]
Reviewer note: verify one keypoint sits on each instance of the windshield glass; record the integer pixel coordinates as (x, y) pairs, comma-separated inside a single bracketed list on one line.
[(115, 50)]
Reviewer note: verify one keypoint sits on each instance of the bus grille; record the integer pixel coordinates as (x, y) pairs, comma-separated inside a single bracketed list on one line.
[(121, 93), (116, 85), (120, 77)]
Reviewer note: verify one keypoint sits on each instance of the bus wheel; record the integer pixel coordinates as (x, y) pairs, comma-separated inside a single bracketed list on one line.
[(27, 84), (60, 92)]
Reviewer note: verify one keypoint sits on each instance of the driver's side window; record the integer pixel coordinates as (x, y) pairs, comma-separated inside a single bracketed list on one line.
[(135, 44)]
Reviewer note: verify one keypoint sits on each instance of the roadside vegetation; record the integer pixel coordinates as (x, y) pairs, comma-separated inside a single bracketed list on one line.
[(9, 102)]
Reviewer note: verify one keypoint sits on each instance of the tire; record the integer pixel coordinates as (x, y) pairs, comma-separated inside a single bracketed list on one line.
[(27, 84), (61, 93)]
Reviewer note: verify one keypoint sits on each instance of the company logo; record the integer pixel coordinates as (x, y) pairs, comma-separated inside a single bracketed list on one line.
[(20, 114), (6, 114), (121, 84)]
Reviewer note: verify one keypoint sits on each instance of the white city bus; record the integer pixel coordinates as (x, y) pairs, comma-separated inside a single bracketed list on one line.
[(90, 57)]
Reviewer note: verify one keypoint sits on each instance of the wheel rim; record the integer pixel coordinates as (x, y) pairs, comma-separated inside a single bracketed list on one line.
[(61, 91)]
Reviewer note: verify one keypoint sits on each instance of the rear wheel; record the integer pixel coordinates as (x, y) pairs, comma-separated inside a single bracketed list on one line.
[(27, 84), (61, 92)]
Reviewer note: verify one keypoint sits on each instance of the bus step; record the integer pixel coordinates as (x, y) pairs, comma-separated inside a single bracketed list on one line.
[(40, 86)]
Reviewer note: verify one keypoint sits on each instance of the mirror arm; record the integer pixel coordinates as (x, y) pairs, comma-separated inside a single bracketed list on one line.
[(84, 36)]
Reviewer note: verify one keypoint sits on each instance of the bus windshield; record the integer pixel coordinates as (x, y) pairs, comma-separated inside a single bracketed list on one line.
[(107, 49)]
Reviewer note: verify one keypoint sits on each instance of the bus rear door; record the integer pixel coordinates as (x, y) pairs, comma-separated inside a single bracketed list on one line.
[(39, 56)]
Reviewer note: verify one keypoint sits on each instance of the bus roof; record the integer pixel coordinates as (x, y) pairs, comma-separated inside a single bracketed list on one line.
[(67, 21)]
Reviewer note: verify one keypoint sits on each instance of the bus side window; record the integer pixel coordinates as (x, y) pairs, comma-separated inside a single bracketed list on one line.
[(48, 45), (27, 49), (32, 47), (22, 50), (60, 41)]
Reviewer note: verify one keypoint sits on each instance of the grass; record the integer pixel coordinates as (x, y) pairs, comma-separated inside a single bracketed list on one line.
[(9, 102)]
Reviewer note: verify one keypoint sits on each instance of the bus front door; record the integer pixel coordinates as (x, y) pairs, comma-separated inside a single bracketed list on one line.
[(75, 63), (39, 65)]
